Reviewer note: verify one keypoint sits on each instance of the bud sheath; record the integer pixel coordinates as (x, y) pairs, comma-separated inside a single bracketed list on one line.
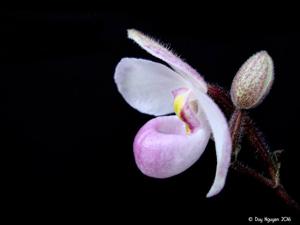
[(253, 81)]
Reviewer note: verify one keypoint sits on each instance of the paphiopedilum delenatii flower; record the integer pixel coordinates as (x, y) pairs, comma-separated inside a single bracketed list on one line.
[(168, 145)]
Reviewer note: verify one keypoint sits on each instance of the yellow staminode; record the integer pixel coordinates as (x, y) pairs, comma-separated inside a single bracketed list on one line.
[(178, 104)]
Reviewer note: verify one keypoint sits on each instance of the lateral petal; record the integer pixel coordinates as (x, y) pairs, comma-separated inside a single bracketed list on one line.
[(147, 86), (222, 138)]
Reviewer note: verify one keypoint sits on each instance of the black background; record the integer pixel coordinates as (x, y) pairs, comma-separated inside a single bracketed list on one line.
[(68, 133)]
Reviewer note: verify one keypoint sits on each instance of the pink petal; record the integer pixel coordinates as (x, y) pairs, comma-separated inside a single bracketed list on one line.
[(222, 138), (158, 50), (147, 86), (162, 149)]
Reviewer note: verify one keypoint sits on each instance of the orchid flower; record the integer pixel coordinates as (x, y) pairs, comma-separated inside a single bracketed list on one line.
[(168, 145)]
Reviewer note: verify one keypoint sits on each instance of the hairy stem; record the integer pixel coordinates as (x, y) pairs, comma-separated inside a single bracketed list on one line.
[(222, 98), (256, 139), (278, 189), (236, 129), (240, 123)]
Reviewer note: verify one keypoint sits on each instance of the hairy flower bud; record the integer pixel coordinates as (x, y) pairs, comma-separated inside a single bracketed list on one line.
[(253, 81)]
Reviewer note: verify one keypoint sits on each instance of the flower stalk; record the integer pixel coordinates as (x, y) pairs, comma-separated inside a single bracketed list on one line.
[(254, 135), (279, 189), (236, 125), (242, 124)]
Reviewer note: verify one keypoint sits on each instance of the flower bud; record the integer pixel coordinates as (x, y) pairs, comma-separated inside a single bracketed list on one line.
[(253, 81)]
